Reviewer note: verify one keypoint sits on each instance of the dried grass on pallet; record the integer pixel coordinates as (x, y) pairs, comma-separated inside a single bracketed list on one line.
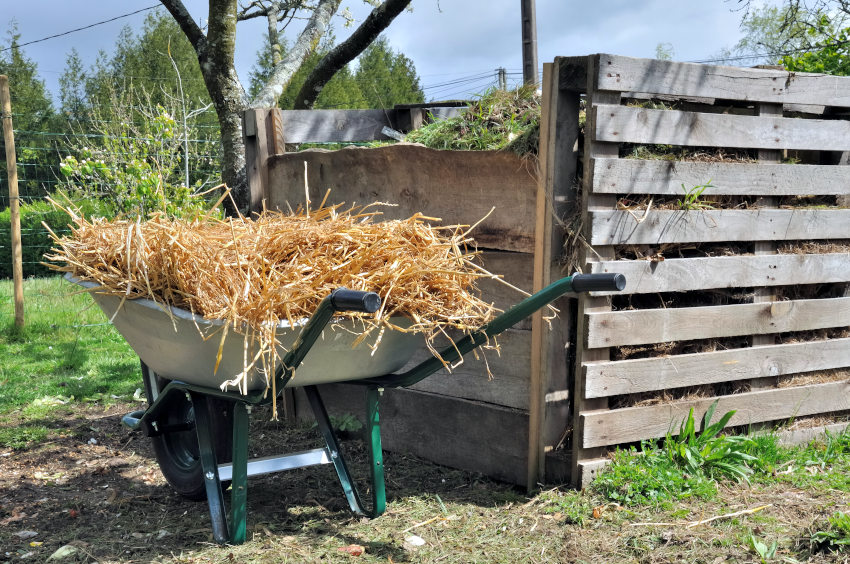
[(257, 273)]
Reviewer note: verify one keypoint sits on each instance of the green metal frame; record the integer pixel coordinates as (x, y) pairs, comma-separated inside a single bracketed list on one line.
[(234, 530)]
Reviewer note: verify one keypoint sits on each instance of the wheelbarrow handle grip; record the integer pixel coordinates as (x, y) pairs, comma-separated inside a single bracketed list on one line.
[(602, 282), (343, 299)]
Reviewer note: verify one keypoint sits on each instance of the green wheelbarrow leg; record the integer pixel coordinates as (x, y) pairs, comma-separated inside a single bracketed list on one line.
[(209, 465), (348, 487), (376, 453), (239, 480)]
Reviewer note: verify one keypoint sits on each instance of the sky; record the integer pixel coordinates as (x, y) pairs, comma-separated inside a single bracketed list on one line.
[(456, 45)]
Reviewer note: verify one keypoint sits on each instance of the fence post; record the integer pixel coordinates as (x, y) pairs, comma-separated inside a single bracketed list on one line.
[(14, 202)]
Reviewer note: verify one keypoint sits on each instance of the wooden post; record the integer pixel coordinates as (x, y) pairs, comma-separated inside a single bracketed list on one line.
[(548, 408), (262, 131), (14, 201)]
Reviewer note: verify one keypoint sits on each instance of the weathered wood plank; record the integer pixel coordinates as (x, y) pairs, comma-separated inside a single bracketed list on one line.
[(670, 127), (682, 324), (335, 126), (632, 176), (707, 81), (638, 423), (618, 227), (556, 198), (684, 275), (460, 187), (663, 373), (807, 435), (509, 384), (516, 270), (459, 433)]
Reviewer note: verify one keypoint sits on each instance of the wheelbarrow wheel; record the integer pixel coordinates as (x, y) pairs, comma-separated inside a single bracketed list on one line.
[(177, 451)]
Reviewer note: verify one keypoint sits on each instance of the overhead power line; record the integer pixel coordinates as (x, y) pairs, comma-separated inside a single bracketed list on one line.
[(81, 28)]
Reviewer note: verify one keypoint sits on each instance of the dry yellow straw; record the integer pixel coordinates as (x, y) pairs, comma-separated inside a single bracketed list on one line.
[(254, 273)]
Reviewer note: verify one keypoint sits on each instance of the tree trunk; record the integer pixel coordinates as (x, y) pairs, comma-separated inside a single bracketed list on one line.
[(377, 21)]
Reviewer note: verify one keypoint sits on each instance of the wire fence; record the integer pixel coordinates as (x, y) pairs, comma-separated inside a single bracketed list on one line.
[(38, 158)]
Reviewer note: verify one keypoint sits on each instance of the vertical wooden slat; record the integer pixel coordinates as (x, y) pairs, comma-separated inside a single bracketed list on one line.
[(766, 156), (583, 458), (14, 201), (559, 131), (263, 134)]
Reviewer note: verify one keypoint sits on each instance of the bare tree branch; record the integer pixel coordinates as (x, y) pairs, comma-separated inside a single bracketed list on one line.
[(181, 15), (304, 45), (377, 21)]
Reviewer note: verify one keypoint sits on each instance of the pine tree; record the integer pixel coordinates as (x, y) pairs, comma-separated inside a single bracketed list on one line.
[(387, 77)]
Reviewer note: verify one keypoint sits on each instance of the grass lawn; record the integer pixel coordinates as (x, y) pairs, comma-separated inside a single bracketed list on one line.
[(67, 353), (73, 479)]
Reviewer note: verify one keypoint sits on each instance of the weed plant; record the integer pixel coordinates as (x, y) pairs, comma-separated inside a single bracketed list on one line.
[(836, 535), (650, 478), (687, 465)]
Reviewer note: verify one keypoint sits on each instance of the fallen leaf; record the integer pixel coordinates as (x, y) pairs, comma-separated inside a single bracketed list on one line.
[(64, 552), (597, 511), (352, 549)]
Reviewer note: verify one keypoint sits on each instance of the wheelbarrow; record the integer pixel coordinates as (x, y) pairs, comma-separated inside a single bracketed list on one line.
[(199, 429)]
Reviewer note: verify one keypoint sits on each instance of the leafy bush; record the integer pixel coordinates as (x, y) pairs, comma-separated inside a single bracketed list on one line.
[(35, 239), (138, 164)]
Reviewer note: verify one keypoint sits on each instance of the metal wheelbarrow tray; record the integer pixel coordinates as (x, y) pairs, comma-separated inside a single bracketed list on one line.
[(200, 432)]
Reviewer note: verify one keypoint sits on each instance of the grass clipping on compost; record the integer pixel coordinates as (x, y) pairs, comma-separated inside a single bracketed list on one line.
[(255, 273), (500, 120)]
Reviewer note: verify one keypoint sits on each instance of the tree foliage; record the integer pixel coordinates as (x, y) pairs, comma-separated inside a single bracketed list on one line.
[(32, 117), (387, 77), (382, 79), (135, 168), (801, 36)]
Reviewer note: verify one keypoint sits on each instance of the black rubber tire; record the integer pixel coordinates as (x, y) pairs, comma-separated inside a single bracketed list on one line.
[(177, 452)]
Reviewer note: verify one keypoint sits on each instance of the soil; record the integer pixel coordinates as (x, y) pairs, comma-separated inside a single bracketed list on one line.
[(96, 486)]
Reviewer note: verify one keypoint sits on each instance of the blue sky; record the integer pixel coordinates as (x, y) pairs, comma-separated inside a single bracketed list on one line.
[(456, 45)]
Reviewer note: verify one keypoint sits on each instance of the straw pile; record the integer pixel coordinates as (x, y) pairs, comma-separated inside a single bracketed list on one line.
[(256, 273)]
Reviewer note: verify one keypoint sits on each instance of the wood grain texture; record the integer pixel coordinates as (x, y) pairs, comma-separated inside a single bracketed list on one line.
[(639, 423), (663, 373), (637, 327), (708, 81), (633, 176), (618, 227), (670, 127), (460, 187), (684, 275)]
